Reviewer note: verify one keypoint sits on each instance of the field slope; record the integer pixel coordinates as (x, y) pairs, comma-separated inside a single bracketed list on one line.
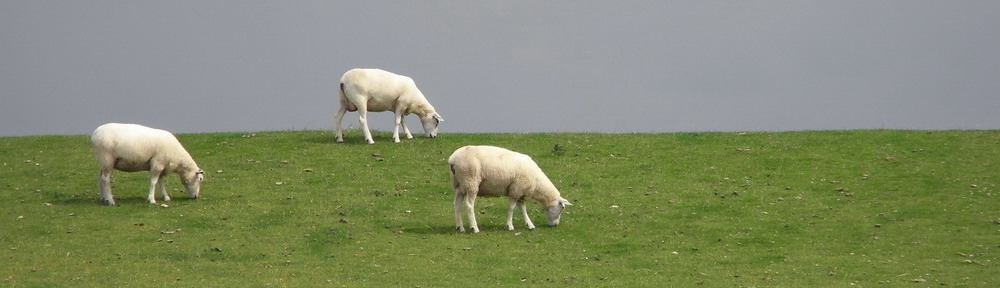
[(293, 209)]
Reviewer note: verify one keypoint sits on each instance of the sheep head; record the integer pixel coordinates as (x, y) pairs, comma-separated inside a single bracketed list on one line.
[(555, 211), (431, 123), (192, 182)]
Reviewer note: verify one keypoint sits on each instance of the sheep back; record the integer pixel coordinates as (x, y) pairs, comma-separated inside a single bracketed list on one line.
[(495, 171), (135, 147), (382, 90)]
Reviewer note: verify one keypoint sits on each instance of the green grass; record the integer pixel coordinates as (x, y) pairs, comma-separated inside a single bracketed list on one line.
[(294, 209)]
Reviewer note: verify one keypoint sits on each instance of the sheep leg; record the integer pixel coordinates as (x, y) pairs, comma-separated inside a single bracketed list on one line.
[(510, 215), (395, 131), (527, 220), (402, 121), (104, 186), (340, 117), (470, 207), (154, 177), (152, 189), (163, 187), (459, 199), (363, 118)]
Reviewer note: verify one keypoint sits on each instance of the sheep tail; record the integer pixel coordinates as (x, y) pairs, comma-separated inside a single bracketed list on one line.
[(343, 100)]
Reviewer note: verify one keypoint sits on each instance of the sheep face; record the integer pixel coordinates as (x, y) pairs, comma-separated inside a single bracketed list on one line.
[(192, 182), (555, 211), (431, 123)]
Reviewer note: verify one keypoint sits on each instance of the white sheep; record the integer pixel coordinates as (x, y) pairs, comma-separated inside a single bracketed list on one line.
[(132, 148), (376, 90), (493, 172)]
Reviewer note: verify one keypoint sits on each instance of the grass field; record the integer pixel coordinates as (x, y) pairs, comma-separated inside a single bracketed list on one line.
[(294, 209)]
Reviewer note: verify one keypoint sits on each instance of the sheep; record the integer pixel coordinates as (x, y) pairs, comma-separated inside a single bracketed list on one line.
[(491, 171), (132, 148), (376, 90)]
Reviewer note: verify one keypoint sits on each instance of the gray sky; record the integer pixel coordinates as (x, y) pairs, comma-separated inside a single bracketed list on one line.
[(503, 66)]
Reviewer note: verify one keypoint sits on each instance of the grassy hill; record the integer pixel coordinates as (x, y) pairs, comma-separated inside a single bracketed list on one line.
[(295, 209)]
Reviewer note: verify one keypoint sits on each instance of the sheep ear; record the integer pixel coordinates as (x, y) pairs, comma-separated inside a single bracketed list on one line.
[(564, 203), (438, 117)]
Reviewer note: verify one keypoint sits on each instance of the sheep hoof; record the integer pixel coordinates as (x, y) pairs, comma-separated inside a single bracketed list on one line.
[(531, 228), (460, 229)]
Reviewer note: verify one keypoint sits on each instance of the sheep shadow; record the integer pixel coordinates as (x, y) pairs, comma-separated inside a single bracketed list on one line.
[(438, 230), (323, 138), (77, 201), (119, 201), (444, 230), (350, 138), (355, 137)]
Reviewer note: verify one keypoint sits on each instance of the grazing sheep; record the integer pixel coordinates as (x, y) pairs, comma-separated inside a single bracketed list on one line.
[(493, 172), (132, 148), (376, 90)]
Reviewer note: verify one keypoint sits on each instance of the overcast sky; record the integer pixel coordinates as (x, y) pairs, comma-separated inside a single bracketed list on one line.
[(503, 66)]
